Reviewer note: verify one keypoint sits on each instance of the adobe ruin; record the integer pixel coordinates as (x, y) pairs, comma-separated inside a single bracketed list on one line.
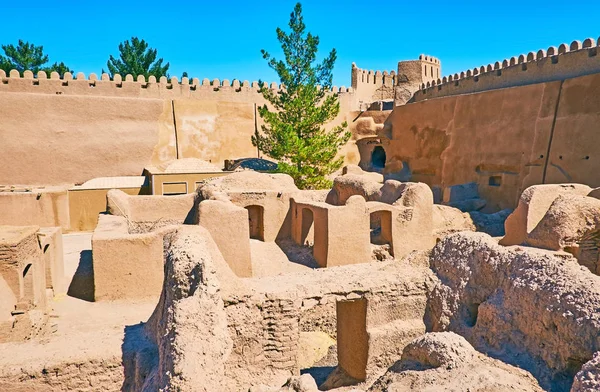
[(457, 249)]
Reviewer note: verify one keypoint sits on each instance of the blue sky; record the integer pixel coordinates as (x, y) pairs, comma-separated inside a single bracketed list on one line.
[(222, 39)]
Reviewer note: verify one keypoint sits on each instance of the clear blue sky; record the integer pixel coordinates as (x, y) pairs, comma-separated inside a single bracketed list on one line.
[(222, 39)]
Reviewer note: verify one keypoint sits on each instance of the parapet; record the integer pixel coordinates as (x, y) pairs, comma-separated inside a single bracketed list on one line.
[(430, 59), (370, 86), (363, 76), (555, 63), (128, 87)]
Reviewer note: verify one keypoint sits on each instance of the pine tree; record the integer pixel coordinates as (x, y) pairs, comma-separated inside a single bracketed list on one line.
[(136, 58), (292, 134), (61, 68), (26, 56)]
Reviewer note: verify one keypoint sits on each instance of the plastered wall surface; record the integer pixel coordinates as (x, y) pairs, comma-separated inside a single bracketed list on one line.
[(86, 204), (499, 139), (214, 130), (59, 139), (47, 207), (574, 153), (441, 142)]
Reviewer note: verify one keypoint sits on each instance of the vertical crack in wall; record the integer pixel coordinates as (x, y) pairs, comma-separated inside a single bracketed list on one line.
[(175, 127), (547, 160)]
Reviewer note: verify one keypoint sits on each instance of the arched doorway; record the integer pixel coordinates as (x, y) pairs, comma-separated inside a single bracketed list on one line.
[(378, 158)]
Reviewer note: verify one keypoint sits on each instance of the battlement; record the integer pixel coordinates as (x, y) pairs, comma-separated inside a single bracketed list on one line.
[(128, 87), (555, 63), (363, 76), (429, 59)]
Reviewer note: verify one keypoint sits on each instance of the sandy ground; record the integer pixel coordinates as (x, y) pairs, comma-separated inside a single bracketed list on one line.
[(270, 258), (79, 330)]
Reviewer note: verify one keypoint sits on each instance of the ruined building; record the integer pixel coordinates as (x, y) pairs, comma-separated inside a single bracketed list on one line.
[(458, 248)]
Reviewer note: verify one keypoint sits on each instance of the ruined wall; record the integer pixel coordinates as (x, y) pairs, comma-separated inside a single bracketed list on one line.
[(265, 323), (65, 131), (566, 61), (505, 139), (530, 308)]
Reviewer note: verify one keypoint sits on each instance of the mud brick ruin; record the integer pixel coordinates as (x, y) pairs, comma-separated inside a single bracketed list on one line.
[(458, 249)]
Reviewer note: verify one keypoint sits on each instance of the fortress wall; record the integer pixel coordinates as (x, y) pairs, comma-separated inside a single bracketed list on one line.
[(466, 138), (59, 139), (369, 86), (214, 130), (64, 131), (430, 67), (575, 148), (501, 138), (566, 61)]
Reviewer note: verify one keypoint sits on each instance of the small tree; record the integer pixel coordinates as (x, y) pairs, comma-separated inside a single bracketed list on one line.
[(26, 56), (136, 58), (293, 133)]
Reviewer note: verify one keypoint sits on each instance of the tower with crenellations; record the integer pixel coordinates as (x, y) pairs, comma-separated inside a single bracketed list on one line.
[(391, 86)]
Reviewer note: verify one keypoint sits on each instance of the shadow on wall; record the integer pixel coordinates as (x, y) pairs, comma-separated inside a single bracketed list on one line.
[(138, 353), (82, 285)]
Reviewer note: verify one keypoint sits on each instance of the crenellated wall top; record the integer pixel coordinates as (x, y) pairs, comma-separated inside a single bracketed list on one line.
[(429, 59), (126, 86), (364, 76), (555, 63)]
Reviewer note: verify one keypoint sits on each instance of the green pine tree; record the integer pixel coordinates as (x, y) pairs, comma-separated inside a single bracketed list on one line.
[(61, 68), (136, 58), (26, 56), (293, 132)]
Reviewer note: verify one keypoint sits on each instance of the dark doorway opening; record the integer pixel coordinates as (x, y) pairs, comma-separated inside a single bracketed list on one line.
[(378, 158)]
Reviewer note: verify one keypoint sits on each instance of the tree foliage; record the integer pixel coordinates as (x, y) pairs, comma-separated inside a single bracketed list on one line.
[(136, 58), (25, 56), (293, 132)]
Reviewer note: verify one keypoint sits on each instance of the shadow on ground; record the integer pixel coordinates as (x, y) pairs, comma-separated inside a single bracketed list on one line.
[(319, 373), (298, 254)]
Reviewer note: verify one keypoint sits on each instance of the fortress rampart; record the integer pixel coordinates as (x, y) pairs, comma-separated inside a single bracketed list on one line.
[(139, 88), (72, 129), (504, 139), (566, 61)]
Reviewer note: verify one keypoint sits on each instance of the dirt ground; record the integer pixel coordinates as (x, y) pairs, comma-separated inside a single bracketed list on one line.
[(270, 258)]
